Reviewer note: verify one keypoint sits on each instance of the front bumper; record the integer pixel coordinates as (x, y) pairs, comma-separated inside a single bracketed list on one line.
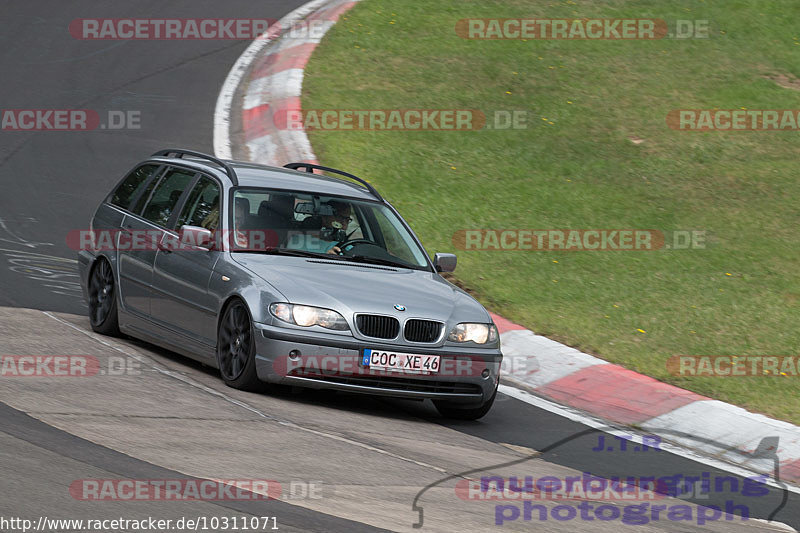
[(330, 361)]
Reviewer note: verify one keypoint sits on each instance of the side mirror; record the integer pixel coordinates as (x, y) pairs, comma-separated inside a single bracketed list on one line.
[(197, 237), (444, 262)]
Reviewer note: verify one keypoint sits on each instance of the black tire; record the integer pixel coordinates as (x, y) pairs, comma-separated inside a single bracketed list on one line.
[(103, 299), (448, 410), (236, 348)]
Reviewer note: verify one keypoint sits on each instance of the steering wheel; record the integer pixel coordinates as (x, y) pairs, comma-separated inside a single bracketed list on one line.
[(352, 242)]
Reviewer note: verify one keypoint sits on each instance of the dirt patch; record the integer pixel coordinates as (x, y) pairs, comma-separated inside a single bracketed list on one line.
[(784, 80)]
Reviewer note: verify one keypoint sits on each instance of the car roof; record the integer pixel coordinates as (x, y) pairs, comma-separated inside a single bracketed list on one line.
[(255, 175)]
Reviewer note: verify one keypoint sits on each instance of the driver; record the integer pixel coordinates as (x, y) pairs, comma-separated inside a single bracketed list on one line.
[(324, 231)]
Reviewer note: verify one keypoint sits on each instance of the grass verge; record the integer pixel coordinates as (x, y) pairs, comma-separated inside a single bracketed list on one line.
[(576, 165)]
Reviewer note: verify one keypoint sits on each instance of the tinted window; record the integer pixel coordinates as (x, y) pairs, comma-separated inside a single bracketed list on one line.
[(202, 207), (166, 195), (131, 186)]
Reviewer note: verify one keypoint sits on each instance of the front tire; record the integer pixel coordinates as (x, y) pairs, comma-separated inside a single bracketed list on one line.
[(236, 349), (103, 300), (459, 413)]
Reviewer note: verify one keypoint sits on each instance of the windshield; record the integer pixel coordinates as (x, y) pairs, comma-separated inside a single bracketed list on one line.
[(270, 221)]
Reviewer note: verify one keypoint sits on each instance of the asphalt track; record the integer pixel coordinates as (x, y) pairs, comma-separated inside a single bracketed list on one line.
[(53, 180), (175, 418)]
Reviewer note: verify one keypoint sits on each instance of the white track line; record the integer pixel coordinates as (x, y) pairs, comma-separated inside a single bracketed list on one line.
[(53, 257)]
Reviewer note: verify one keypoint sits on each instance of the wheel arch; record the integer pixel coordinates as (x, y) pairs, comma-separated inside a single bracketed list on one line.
[(227, 303), (112, 262)]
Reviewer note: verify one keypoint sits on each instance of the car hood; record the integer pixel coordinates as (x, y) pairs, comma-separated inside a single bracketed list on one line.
[(357, 288)]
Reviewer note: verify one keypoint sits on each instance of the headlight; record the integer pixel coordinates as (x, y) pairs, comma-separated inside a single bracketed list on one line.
[(477, 333), (307, 316)]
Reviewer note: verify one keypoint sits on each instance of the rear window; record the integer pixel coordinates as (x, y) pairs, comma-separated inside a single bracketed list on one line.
[(131, 186)]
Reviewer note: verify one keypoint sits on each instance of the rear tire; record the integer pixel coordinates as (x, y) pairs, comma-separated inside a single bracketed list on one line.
[(103, 300), (236, 348), (448, 410)]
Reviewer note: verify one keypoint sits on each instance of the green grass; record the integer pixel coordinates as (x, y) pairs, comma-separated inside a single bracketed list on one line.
[(582, 171)]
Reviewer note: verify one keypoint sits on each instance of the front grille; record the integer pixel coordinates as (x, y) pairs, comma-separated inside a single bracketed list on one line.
[(422, 330), (377, 326), (404, 384)]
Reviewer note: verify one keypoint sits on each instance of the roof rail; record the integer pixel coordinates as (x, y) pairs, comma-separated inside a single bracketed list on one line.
[(180, 152), (310, 168)]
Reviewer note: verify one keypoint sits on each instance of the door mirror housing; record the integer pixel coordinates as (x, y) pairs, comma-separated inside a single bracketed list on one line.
[(197, 237), (444, 262)]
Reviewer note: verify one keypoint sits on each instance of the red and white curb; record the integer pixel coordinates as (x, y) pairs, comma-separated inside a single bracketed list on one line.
[(270, 74), (584, 382)]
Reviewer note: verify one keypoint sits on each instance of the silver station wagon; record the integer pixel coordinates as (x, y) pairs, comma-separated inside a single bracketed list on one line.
[(302, 276)]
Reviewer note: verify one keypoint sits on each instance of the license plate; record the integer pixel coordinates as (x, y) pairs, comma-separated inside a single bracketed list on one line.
[(400, 362)]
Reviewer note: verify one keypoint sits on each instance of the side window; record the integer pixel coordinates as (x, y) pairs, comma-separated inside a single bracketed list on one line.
[(131, 186), (202, 206), (166, 195)]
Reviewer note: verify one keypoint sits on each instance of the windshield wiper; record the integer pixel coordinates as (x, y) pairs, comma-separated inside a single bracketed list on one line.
[(286, 251), (380, 261), (333, 257)]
